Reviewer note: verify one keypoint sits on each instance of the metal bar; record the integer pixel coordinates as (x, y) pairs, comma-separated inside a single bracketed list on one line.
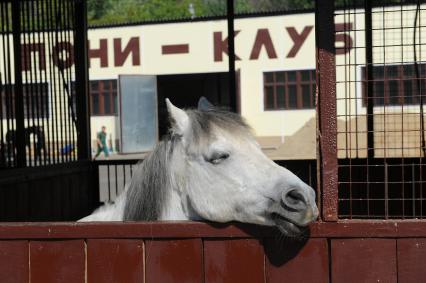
[(116, 180), (369, 77), (124, 176), (53, 96), (326, 109), (81, 79), (109, 183), (10, 112), (2, 86), (71, 98), (231, 53), (61, 79), (18, 93), (29, 90), (59, 93), (413, 190), (401, 23), (44, 80)]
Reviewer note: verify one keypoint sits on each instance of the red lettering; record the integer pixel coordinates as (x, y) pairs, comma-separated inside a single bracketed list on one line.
[(263, 38), (344, 38), (101, 53), (221, 46), (27, 50), (68, 61), (120, 55), (298, 39)]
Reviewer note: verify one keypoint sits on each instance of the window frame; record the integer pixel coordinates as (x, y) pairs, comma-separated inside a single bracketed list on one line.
[(105, 88), (298, 83), (384, 100)]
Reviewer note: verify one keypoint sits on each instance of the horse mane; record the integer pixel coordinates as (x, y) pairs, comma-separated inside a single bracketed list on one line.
[(152, 178)]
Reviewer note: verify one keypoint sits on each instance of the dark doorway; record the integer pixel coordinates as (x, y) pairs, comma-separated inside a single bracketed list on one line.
[(184, 91)]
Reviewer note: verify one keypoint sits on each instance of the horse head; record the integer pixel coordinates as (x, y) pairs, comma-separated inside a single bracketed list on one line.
[(218, 172)]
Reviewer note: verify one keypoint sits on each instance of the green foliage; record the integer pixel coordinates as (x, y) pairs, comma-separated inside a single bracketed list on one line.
[(119, 11)]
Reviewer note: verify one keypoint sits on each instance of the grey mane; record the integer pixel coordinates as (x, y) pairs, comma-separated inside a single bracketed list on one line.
[(151, 180)]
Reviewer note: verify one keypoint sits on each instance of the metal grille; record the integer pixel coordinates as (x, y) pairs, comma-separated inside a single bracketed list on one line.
[(37, 110), (380, 89)]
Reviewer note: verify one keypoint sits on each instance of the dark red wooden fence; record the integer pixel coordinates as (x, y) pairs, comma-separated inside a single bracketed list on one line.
[(378, 251)]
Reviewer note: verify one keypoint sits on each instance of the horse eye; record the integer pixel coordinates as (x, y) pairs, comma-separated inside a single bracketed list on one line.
[(218, 158)]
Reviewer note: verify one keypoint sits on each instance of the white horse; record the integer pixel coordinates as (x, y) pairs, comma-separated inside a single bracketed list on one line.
[(211, 168)]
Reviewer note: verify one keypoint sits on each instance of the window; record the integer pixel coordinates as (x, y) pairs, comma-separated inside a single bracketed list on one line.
[(395, 85), (36, 101), (103, 97), (289, 90)]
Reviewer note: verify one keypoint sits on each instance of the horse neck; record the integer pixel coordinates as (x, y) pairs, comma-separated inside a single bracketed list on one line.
[(172, 208)]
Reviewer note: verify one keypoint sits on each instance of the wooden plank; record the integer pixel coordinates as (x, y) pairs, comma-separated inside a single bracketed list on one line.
[(112, 260), (14, 266), (173, 261), (92, 230), (286, 258), (411, 260), (57, 261), (363, 260), (239, 260), (188, 229)]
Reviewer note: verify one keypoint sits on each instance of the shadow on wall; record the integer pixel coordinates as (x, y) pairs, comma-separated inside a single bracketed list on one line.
[(279, 249)]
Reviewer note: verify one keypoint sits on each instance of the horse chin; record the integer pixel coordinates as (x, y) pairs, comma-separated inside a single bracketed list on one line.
[(288, 228)]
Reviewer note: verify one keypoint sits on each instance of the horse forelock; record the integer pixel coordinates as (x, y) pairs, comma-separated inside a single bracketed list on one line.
[(204, 122), (152, 179)]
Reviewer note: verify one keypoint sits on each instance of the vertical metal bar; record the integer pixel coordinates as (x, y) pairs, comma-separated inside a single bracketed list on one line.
[(59, 95), (386, 191), (402, 93), (71, 108), (11, 145), (231, 53), (124, 176), (53, 94), (32, 86), (81, 79), (116, 179), (369, 77), (386, 99), (420, 90), (62, 81), (39, 86), (413, 189), (18, 93), (2, 85), (326, 109), (43, 81), (66, 78), (28, 87), (109, 183)]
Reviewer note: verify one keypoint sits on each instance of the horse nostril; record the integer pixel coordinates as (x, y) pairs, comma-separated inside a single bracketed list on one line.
[(294, 199)]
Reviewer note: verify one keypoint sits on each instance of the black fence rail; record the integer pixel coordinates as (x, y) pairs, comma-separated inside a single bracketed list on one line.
[(113, 177)]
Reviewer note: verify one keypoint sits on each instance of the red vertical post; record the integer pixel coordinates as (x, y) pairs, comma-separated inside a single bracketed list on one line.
[(326, 109)]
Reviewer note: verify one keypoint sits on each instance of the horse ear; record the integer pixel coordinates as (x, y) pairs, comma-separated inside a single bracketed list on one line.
[(204, 104), (178, 118)]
